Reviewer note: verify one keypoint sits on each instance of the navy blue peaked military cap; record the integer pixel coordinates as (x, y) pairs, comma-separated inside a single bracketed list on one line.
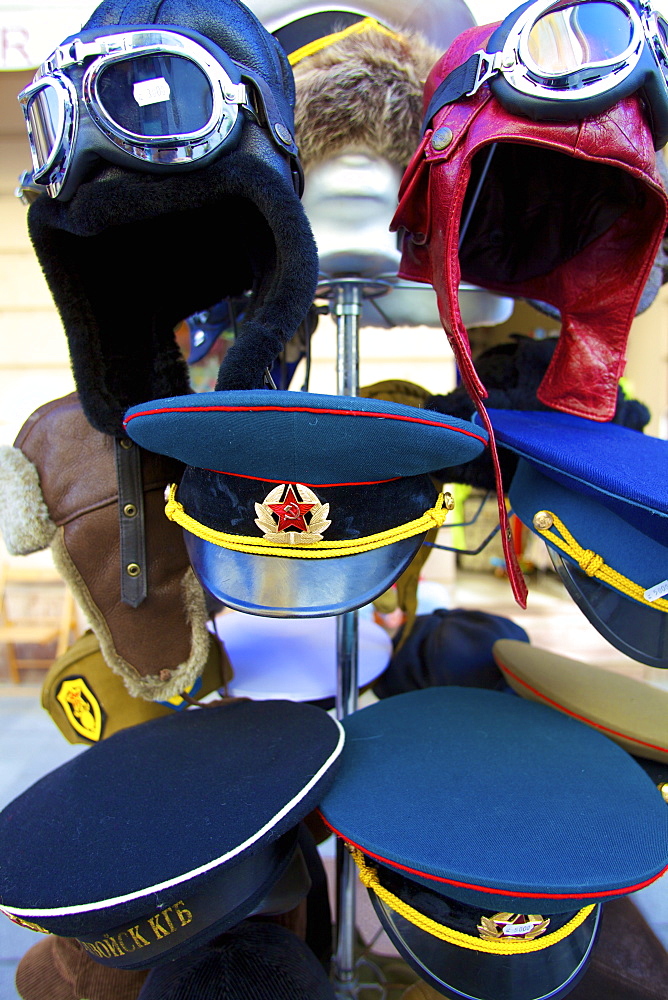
[(489, 830), (166, 834), (299, 504), (596, 493)]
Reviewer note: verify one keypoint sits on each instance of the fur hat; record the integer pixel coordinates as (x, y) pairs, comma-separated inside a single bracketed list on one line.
[(133, 253), (59, 487), (363, 90)]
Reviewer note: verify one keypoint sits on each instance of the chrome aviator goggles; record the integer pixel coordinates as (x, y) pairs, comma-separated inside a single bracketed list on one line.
[(560, 61), (148, 99)]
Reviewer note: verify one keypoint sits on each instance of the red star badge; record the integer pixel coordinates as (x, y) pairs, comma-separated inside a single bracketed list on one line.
[(290, 512)]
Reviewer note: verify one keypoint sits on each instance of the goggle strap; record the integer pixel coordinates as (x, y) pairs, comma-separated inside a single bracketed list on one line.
[(463, 81), (269, 115), (268, 119), (297, 175)]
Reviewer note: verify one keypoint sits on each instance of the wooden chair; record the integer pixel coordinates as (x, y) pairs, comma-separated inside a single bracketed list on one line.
[(36, 609)]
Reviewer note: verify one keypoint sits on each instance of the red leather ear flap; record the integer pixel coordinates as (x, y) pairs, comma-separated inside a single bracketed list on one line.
[(598, 294), (412, 213)]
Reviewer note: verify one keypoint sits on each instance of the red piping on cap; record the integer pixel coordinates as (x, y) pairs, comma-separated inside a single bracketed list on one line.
[(301, 409), (321, 486), (496, 891), (574, 715)]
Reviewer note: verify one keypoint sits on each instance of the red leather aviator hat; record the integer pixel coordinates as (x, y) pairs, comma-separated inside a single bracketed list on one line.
[(569, 213)]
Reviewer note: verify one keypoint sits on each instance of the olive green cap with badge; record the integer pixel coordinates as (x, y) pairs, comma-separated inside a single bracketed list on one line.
[(88, 701)]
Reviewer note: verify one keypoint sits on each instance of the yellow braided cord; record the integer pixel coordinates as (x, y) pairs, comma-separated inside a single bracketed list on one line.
[(434, 517), (367, 24), (593, 565), (504, 946)]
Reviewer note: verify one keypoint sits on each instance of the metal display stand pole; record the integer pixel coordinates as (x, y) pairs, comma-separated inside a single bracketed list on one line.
[(345, 974), (347, 311), (347, 295)]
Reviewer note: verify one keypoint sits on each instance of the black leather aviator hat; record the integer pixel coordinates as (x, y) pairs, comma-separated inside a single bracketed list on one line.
[(136, 248)]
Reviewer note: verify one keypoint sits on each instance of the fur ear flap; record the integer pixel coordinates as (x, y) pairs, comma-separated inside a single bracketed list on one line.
[(25, 521), (366, 91)]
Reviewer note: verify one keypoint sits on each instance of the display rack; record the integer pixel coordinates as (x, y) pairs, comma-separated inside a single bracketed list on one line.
[(347, 297)]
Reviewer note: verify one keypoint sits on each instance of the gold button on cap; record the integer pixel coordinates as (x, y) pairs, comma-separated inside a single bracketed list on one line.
[(543, 520)]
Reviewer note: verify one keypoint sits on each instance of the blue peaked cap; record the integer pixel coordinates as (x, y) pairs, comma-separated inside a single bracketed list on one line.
[(303, 437), (622, 469), (486, 871), (596, 493), (166, 833), (447, 786), (352, 473)]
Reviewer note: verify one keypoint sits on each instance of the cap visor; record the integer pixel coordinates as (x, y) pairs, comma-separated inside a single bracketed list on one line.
[(458, 972), (634, 628), (298, 588)]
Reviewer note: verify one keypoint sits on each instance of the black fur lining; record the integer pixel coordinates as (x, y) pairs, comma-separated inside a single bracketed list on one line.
[(511, 373), (134, 253)]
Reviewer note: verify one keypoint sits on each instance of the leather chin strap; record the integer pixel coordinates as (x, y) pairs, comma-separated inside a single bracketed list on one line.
[(132, 526), (513, 569)]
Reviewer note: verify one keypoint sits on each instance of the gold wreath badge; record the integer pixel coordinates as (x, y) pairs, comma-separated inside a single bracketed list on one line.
[(282, 516), (522, 926)]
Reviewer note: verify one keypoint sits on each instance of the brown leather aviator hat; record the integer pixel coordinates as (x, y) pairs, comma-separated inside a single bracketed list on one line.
[(125, 563)]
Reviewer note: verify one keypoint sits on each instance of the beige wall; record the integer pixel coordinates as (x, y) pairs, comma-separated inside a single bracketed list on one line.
[(34, 364), (647, 364)]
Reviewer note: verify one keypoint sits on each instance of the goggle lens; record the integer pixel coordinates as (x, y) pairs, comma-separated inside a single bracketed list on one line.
[(46, 116), (570, 38), (156, 96)]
